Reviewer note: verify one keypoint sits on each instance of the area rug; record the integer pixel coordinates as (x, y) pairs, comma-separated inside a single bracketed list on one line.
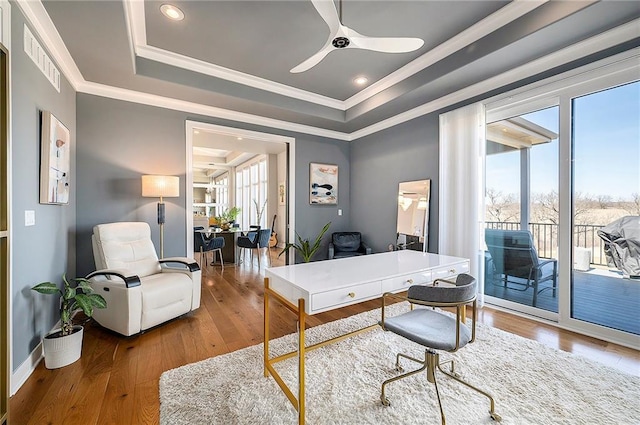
[(531, 383)]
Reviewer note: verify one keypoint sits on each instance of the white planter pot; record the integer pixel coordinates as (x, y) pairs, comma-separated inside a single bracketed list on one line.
[(62, 351)]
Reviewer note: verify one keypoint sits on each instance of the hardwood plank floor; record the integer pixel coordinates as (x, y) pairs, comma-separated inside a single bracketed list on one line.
[(116, 380)]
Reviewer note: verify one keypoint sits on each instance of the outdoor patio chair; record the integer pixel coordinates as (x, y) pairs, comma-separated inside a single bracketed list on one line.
[(516, 264)]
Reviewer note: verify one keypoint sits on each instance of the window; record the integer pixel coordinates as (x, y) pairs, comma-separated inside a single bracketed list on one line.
[(251, 192)]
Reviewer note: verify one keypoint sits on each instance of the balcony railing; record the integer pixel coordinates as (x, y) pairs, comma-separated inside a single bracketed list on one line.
[(545, 236)]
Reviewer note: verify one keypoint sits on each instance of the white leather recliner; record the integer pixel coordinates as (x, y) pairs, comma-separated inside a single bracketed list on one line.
[(141, 291)]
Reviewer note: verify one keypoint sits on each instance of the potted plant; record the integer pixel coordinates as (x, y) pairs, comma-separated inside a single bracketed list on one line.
[(304, 247), (63, 346), (227, 217)]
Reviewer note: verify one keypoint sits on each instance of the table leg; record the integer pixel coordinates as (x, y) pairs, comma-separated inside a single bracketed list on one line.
[(266, 325), (301, 355)]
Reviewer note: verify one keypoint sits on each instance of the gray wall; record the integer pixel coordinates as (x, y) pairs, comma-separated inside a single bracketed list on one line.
[(119, 141), (47, 250), (379, 162)]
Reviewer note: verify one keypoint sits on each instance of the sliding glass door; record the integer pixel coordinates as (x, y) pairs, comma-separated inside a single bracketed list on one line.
[(606, 208), (521, 210), (562, 204)]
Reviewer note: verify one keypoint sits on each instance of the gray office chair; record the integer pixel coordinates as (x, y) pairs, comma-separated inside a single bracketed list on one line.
[(435, 330)]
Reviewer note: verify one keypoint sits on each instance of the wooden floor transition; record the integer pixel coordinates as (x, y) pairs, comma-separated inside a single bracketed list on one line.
[(116, 379)]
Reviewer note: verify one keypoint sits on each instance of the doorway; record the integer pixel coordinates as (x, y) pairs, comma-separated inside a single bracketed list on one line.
[(230, 167)]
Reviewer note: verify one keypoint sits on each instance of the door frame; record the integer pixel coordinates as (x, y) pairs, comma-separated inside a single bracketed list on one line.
[(191, 125)]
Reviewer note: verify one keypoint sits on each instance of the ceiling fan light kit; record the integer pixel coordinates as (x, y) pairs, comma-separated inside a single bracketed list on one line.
[(342, 37)]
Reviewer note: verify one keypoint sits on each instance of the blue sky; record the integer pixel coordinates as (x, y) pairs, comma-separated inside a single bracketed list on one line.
[(606, 148)]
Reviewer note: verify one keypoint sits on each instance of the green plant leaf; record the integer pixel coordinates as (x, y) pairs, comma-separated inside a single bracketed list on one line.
[(84, 302), (47, 288), (97, 300)]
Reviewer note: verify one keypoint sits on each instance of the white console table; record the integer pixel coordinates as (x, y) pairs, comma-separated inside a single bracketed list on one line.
[(311, 288)]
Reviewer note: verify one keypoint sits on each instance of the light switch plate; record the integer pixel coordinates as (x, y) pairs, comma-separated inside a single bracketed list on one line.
[(29, 218), (339, 211)]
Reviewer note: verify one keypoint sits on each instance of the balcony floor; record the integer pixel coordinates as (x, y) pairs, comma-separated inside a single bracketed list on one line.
[(599, 296)]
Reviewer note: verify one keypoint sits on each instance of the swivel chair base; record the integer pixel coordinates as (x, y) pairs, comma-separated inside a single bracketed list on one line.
[(430, 363)]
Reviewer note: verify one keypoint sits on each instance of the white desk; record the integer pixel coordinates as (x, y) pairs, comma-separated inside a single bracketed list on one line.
[(311, 288)]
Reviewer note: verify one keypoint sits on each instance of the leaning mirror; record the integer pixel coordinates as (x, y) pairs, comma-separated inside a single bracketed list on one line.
[(413, 215)]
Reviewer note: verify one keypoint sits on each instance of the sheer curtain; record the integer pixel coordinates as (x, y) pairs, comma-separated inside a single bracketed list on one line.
[(461, 193)]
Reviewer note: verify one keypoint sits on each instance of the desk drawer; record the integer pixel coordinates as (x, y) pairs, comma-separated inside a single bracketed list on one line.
[(346, 296), (402, 283), (450, 271)]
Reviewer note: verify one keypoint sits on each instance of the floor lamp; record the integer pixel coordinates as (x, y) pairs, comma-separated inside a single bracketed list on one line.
[(160, 187)]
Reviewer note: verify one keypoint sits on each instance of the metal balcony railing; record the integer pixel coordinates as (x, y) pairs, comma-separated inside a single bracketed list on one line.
[(545, 236)]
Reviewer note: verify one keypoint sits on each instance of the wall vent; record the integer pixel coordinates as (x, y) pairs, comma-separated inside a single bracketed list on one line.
[(34, 50)]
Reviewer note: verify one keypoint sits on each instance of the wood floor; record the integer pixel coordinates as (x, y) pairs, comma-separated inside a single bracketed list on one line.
[(116, 379)]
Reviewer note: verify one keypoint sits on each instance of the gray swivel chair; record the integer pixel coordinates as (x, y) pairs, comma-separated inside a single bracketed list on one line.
[(435, 330)]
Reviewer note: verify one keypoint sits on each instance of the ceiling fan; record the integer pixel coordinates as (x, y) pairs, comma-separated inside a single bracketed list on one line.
[(342, 37)]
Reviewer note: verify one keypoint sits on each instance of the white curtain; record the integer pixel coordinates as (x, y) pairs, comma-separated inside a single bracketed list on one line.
[(461, 192)]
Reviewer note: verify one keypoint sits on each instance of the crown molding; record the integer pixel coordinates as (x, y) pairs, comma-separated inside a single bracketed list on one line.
[(138, 39), (46, 31), (137, 32), (206, 110), (39, 19), (206, 68), (491, 23), (602, 41)]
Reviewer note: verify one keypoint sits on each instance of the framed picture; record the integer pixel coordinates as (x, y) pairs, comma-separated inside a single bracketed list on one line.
[(323, 184), (282, 193), (55, 161)]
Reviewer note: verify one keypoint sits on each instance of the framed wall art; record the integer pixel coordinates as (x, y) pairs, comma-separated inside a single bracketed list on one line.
[(323, 184), (55, 161)]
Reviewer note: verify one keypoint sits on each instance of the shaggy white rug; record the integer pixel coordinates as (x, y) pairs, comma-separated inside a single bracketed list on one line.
[(531, 383)]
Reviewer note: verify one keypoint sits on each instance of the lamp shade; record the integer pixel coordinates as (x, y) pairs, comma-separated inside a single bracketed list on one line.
[(160, 186)]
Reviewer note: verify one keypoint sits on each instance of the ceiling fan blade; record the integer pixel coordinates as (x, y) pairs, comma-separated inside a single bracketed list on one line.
[(313, 60), (328, 12), (386, 44)]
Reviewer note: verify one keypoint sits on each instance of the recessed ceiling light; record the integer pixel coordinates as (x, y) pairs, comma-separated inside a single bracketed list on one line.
[(361, 81), (196, 131), (172, 12), (238, 138)]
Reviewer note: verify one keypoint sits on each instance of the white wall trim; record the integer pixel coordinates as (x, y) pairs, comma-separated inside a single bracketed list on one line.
[(45, 29), (597, 43), (206, 68), (491, 23), (197, 108), (22, 373), (500, 18)]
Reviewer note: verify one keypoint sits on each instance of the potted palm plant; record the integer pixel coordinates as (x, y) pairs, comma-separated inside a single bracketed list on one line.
[(63, 346), (304, 247)]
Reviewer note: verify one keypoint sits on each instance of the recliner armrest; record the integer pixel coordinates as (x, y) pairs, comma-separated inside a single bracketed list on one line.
[(190, 263), (129, 281)]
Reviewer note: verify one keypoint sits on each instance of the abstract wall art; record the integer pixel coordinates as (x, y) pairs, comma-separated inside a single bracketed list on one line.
[(55, 161), (323, 184)]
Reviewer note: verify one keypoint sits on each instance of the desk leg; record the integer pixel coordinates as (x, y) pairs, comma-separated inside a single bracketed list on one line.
[(301, 355), (266, 325)]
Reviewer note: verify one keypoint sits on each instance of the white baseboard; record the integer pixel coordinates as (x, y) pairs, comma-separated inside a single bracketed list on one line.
[(20, 376), (24, 371)]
